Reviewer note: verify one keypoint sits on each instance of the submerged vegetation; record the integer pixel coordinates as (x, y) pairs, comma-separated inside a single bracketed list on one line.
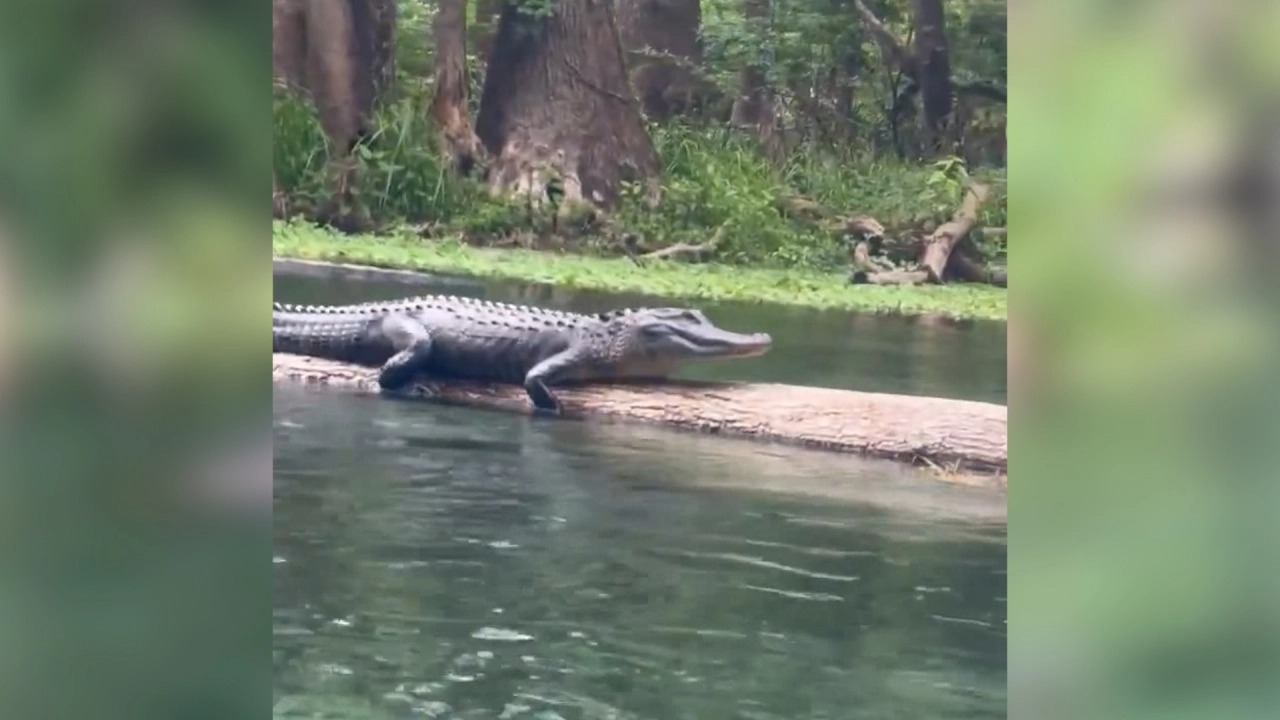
[(764, 213)]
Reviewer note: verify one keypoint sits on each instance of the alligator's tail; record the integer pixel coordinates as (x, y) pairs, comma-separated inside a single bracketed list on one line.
[(346, 337)]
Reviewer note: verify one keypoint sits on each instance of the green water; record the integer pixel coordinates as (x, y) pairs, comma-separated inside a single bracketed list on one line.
[(452, 563)]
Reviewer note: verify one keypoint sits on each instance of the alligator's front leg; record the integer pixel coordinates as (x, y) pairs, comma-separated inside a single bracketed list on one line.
[(552, 371), (413, 344)]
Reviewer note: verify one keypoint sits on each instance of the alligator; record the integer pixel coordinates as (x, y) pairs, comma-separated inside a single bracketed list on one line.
[(447, 337)]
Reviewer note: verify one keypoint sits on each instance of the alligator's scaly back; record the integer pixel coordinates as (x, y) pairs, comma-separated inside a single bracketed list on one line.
[(466, 338), (349, 338), (357, 333), (426, 303)]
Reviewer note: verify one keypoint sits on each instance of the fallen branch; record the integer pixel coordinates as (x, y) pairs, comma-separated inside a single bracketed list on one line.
[(970, 437), (698, 252), (938, 247), (889, 277), (866, 271), (967, 269), (941, 255), (681, 250)]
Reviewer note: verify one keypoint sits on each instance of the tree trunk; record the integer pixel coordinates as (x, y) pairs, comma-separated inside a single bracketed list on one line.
[(457, 141), (279, 206), (288, 44), (933, 72), (972, 436), (753, 110), (288, 62), (484, 27), (846, 77), (325, 48), (339, 62), (666, 86), (558, 113), (384, 47)]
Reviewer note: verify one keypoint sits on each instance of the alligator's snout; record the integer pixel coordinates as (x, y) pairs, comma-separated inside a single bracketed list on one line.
[(751, 345), (711, 341)]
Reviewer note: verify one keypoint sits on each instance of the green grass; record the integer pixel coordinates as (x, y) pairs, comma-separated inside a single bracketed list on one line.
[(807, 288)]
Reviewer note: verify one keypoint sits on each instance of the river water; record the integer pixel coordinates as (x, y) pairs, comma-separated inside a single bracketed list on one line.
[(445, 562)]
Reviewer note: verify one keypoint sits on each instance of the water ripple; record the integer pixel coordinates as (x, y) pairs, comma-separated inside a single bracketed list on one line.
[(795, 595), (491, 566), (769, 565)]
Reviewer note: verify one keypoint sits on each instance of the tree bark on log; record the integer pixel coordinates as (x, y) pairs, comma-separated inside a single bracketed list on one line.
[(867, 272), (964, 438), (941, 242), (558, 114), (969, 270), (942, 254)]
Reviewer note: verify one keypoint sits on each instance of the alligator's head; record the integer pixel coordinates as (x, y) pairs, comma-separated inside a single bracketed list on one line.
[(662, 336)]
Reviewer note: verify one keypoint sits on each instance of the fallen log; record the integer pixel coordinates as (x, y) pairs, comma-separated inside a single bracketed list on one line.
[(866, 271), (963, 439), (943, 255), (700, 252), (940, 244), (967, 269)]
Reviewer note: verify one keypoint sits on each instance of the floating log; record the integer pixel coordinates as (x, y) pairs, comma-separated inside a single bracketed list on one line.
[(962, 439)]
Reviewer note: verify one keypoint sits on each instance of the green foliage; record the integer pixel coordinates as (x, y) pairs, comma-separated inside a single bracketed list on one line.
[(715, 184), (816, 51), (401, 248)]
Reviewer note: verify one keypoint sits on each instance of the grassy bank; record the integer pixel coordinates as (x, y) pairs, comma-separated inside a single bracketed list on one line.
[(809, 288)]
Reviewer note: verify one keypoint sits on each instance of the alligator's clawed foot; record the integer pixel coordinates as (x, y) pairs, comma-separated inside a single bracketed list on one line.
[(406, 391), (407, 388), (547, 406), (544, 403)]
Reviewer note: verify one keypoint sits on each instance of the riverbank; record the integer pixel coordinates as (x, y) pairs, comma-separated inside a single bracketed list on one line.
[(406, 251)]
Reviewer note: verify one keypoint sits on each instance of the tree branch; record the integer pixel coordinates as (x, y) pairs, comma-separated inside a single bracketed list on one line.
[(943, 240)]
